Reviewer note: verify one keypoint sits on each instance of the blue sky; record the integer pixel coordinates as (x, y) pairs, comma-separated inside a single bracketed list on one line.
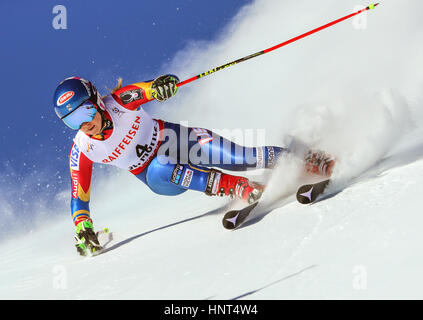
[(103, 40)]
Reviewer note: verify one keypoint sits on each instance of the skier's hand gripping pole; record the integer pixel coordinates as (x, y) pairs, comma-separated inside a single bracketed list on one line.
[(86, 239), (164, 87)]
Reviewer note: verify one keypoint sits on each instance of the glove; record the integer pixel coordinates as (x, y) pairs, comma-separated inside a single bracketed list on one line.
[(164, 87), (86, 239)]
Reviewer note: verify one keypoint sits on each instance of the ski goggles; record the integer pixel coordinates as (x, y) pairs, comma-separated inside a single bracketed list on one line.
[(84, 113)]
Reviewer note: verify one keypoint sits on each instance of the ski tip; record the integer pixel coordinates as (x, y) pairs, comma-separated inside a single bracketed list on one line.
[(234, 218), (308, 193), (229, 221), (303, 199)]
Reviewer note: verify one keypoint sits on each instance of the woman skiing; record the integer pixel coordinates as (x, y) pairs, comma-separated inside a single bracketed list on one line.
[(116, 130)]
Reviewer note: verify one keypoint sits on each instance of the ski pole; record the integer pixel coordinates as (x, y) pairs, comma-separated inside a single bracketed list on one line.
[(371, 6)]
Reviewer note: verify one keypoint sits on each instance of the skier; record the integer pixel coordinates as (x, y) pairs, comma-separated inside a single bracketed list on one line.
[(116, 130)]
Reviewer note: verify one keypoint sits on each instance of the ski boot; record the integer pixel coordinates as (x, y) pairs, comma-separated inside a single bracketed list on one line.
[(318, 162), (236, 187), (86, 239)]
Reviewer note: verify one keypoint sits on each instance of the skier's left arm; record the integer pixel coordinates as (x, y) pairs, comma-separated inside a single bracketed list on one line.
[(136, 94), (81, 171)]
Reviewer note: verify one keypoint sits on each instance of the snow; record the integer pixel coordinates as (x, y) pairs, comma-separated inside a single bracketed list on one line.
[(371, 229), (354, 92)]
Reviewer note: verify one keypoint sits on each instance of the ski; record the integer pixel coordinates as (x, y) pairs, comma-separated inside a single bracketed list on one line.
[(308, 193), (234, 218)]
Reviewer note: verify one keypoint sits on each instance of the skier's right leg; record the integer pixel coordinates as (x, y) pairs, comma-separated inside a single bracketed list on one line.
[(170, 174), (164, 176)]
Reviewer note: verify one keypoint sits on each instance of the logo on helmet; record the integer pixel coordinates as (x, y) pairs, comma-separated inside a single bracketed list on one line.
[(65, 97)]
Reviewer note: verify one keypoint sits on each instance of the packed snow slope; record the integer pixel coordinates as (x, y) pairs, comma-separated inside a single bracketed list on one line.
[(354, 90)]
